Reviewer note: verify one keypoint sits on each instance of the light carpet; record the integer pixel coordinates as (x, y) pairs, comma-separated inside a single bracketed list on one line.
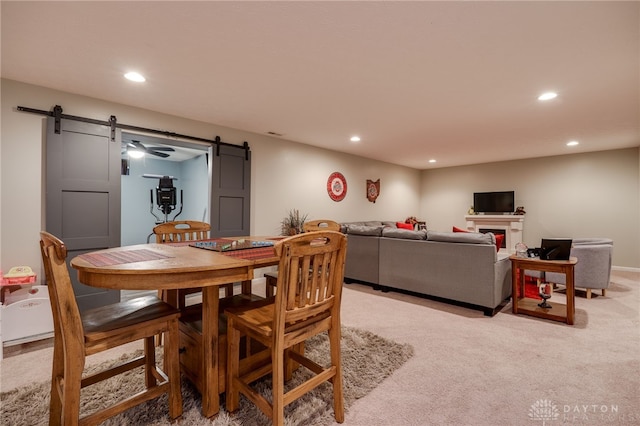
[(367, 360)]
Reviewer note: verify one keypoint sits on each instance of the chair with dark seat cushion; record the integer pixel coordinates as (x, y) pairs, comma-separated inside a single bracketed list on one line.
[(311, 273), (76, 336)]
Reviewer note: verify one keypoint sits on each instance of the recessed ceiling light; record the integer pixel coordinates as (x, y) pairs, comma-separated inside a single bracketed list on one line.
[(547, 96), (432, 160), (573, 143), (134, 76), (355, 138)]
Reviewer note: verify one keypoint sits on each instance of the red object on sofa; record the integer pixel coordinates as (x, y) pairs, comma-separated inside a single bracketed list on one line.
[(456, 229), (403, 225)]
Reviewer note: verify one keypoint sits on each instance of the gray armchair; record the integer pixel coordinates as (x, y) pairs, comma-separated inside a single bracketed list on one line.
[(593, 270)]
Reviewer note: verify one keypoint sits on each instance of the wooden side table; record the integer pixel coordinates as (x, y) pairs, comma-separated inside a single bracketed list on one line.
[(527, 306)]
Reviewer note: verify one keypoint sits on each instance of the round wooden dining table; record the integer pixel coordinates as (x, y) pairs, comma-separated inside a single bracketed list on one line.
[(173, 267)]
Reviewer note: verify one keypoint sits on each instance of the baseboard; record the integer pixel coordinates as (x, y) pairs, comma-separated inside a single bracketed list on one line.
[(625, 269), (27, 339)]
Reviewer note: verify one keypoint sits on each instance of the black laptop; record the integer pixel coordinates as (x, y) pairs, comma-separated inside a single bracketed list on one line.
[(555, 249)]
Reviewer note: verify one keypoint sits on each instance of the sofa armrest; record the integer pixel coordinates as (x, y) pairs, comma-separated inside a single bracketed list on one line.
[(362, 258)]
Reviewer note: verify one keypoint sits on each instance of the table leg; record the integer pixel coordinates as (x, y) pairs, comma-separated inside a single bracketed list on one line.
[(246, 287), (210, 396), (514, 289), (570, 292), (171, 297), (521, 281)]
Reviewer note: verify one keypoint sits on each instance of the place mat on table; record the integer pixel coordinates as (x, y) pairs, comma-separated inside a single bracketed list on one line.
[(252, 253), (118, 258)]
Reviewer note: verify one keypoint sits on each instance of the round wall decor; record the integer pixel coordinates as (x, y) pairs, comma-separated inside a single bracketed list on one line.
[(337, 186)]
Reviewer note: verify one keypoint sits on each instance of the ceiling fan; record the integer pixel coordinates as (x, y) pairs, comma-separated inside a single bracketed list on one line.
[(153, 150)]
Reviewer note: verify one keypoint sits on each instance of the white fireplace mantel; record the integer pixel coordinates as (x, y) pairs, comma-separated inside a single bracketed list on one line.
[(511, 224)]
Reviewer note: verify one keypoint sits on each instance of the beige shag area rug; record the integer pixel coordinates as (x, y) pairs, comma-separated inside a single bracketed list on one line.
[(367, 359)]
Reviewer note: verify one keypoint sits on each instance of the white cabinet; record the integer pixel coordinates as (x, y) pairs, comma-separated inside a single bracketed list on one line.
[(26, 315)]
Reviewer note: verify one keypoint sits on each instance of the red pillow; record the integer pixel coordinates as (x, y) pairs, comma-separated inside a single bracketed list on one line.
[(456, 229), (499, 240), (403, 225)]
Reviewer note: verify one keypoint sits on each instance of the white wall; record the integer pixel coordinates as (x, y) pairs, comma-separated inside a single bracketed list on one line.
[(294, 176), (581, 195), (593, 194), (194, 183), (285, 175)]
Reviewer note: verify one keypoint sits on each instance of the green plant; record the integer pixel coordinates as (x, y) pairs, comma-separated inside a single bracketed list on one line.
[(292, 223)]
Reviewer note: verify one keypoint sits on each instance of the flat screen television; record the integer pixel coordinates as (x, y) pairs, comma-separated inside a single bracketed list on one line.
[(494, 202)]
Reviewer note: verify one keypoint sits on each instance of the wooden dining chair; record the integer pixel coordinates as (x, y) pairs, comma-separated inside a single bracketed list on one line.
[(307, 303), (76, 336), (309, 226), (181, 231)]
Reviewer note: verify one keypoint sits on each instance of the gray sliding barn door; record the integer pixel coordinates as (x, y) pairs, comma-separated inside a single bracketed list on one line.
[(83, 196), (231, 192)]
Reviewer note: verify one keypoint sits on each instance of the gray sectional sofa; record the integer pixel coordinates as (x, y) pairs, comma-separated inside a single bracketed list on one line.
[(458, 267)]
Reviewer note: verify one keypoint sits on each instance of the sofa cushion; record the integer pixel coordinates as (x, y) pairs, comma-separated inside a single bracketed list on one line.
[(345, 226), (499, 238), (403, 225), (372, 223), (364, 230), (592, 241), (461, 237), (404, 233)]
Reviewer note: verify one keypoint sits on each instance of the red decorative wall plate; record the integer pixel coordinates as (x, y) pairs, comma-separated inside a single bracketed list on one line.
[(337, 186)]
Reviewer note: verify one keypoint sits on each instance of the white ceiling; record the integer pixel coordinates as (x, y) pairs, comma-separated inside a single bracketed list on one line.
[(453, 81)]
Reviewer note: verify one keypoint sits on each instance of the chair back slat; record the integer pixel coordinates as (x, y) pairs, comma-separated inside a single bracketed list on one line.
[(320, 225), (181, 230), (64, 307), (310, 276)]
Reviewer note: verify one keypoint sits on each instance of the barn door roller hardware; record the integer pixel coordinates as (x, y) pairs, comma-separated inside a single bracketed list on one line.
[(113, 124)]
